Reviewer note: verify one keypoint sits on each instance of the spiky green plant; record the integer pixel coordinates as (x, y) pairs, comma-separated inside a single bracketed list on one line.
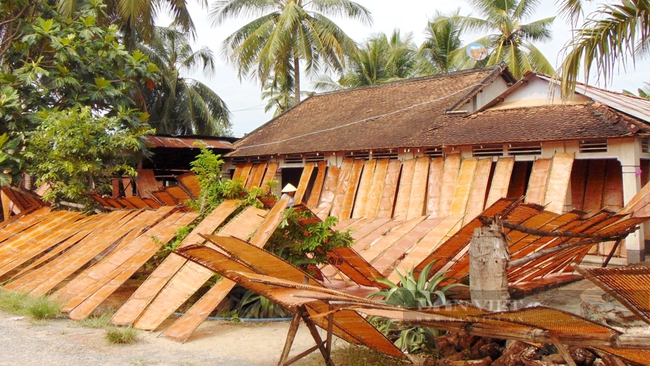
[(414, 292), (253, 305)]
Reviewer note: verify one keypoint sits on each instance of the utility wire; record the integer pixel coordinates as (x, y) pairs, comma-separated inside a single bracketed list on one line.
[(361, 120)]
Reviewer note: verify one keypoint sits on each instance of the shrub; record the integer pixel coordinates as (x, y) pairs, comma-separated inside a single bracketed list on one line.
[(413, 292), (304, 241), (121, 335)]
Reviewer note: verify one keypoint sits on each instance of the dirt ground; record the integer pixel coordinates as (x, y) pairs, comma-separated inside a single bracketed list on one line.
[(65, 342)]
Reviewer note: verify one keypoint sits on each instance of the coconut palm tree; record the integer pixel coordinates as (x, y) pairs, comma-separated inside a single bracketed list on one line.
[(278, 91), (380, 59), (294, 30), (180, 105), (442, 47), (513, 40), (137, 18), (610, 36)]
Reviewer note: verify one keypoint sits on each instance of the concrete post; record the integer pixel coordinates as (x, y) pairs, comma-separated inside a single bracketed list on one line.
[(488, 264), (630, 162)]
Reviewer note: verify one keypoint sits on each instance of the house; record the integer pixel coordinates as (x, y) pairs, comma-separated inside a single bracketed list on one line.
[(453, 144), (172, 155)]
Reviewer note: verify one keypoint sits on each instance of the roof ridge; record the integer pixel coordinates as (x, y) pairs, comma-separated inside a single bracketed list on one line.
[(405, 81)]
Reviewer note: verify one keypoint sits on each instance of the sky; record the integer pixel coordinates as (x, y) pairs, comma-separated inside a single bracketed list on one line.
[(243, 96)]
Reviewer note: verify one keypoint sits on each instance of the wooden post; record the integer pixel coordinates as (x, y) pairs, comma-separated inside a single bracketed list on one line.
[(293, 328), (488, 275)]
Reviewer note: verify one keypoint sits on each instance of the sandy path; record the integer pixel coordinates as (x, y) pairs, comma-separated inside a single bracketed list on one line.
[(63, 342)]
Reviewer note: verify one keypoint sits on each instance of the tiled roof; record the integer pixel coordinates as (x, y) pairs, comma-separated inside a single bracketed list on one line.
[(411, 113), (541, 123), (377, 117)]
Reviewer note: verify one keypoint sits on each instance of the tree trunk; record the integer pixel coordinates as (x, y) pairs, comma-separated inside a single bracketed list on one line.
[(488, 265), (296, 71)]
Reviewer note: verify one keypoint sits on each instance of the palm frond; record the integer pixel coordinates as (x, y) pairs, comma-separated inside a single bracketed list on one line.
[(572, 10), (343, 8), (538, 61), (221, 11), (538, 31), (608, 38), (525, 9)]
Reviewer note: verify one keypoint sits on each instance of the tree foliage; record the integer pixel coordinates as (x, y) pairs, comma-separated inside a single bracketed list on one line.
[(180, 105), (70, 63), (136, 19), (382, 58), (287, 33), (610, 37), (69, 88), (74, 151), (513, 40), (442, 47)]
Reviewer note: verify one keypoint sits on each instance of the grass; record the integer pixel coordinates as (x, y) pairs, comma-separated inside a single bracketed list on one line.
[(37, 308), (120, 335), (113, 334), (42, 308), (97, 322), (12, 302)]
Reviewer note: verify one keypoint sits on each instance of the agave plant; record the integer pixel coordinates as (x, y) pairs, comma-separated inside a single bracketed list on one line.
[(253, 305), (417, 292), (414, 292)]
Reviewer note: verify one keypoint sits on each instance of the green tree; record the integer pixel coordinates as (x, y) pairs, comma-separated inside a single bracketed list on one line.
[(442, 47), (278, 91), (513, 40), (61, 63), (67, 87), (380, 59), (612, 35), (180, 105), (136, 19), (287, 33), (13, 16), (76, 152)]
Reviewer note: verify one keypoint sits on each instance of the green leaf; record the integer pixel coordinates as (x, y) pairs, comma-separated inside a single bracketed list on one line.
[(89, 20), (45, 25), (102, 83)]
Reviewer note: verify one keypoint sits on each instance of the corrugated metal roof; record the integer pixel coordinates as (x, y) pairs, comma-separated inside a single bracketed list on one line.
[(628, 104), (187, 142)]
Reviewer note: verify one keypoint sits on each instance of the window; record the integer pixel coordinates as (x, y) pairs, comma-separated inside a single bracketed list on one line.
[(487, 150), (593, 146)]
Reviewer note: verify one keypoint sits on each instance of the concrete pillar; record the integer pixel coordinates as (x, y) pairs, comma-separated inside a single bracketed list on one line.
[(278, 187), (488, 264), (631, 163)]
